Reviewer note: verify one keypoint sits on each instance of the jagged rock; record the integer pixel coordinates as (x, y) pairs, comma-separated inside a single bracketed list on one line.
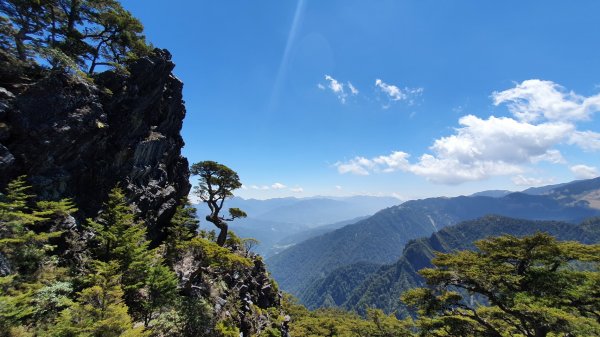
[(78, 138)]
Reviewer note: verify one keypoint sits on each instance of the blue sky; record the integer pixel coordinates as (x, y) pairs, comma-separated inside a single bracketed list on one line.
[(406, 98)]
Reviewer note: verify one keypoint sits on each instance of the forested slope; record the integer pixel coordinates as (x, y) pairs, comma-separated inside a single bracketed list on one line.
[(383, 288), (381, 238)]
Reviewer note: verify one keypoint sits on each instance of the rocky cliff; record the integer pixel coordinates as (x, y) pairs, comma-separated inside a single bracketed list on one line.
[(78, 137)]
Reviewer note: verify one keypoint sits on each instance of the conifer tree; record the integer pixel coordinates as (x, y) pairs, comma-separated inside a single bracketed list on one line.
[(182, 229), (27, 269), (99, 310), (527, 286), (147, 283)]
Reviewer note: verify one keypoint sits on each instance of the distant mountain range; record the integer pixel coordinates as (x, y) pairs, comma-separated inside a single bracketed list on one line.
[(292, 220), (380, 239)]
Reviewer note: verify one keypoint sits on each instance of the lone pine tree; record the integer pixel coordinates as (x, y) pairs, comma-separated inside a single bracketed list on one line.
[(217, 183)]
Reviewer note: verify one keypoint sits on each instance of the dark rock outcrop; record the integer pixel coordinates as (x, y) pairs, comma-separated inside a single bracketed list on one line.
[(77, 137)]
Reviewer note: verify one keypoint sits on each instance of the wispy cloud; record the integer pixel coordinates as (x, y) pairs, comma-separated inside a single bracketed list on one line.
[(262, 188), (587, 140), (584, 171), (394, 93), (484, 147), (278, 186), (520, 180), (338, 88), (353, 89)]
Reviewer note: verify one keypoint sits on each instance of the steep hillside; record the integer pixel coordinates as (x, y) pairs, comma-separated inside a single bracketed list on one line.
[(582, 192), (383, 288), (381, 238), (333, 290)]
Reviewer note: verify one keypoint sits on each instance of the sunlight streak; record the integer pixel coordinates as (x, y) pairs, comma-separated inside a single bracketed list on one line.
[(281, 73)]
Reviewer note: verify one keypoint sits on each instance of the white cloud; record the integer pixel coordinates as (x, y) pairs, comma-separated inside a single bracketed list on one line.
[(353, 89), (278, 186), (397, 160), (530, 181), (334, 85), (362, 166), (337, 88), (551, 156), (584, 171), (394, 93), (391, 90), (357, 165), (535, 99), (338, 187), (452, 171), (481, 148), (495, 146), (500, 140)]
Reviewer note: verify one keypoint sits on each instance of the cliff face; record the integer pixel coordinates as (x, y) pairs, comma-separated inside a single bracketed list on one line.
[(78, 138)]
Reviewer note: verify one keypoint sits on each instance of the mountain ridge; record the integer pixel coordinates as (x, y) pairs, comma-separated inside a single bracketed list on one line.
[(381, 238)]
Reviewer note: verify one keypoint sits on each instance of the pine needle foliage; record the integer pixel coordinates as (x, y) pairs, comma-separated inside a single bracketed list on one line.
[(527, 286)]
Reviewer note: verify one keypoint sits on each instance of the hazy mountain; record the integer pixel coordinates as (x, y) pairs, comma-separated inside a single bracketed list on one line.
[(381, 238), (268, 233), (323, 210), (382, 289), (293, 239), (255, 207), (272, 220)]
